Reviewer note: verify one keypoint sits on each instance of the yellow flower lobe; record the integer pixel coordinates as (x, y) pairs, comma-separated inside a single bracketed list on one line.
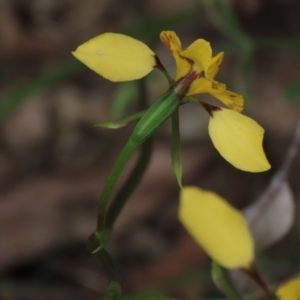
[(116, 57), (290, 290), (218, 227), (238, 139)]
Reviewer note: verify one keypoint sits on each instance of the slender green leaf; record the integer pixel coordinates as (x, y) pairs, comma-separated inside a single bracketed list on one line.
[(175, 152), (121, 122)]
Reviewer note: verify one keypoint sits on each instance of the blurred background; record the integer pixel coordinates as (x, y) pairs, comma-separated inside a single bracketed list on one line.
[(54, 161)]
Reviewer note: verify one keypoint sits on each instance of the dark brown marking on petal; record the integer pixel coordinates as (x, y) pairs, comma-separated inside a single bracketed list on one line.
[(214, 86), (167, 39), (201, 74), (188, 60), (182, 85), (235, 106), (210, 108)]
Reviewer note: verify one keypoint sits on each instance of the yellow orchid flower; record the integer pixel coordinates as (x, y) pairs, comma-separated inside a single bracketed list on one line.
[(196, 68), (219, 228), (289, 290), (118, 57)]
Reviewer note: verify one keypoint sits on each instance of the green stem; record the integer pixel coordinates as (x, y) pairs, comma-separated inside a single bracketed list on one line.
[(154, 117), (111, 181), (130, 184), (175, 152), (222, 283), (138, 171), (98, 239), (114, 286)]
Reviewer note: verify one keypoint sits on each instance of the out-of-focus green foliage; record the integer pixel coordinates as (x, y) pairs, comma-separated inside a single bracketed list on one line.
[(123, 98), (292, 93), (49, 80)]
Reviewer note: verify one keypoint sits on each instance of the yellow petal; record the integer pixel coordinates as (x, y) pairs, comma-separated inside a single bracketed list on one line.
[(200, 53), (238, 139), (289, 290), (172, 42), (218, 227), (214, 66), (203, 85), (116, 57), (230, 99)]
